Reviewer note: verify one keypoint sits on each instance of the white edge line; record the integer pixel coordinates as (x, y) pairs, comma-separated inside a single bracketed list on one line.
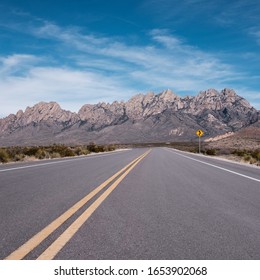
[(248, 177), (60, 161)]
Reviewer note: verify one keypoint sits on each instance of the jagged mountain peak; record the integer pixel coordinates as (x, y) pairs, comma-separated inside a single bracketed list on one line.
[(144, 117), (228, 92), (208, 93), (167, 93), (44, 107), (168, 96)]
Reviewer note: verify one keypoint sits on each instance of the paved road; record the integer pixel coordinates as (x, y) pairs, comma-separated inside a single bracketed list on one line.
[(166, 204)]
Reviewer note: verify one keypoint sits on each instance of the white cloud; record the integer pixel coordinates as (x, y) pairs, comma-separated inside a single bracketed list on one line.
[(12, 63), (69, 87), (173, 53), (162, 36), (100, 68)]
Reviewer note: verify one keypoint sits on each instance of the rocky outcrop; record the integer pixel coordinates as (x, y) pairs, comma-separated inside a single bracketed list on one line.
[(143, 118), (49, 113)]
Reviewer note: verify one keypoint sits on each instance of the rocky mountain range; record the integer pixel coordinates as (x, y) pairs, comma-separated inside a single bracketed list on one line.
[(144, 118)]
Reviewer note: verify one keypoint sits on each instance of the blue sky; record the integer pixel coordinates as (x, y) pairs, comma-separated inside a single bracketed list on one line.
[(88, 51)]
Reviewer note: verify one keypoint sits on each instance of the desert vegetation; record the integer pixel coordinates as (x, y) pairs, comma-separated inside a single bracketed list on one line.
[(16, 153), (249, 155)]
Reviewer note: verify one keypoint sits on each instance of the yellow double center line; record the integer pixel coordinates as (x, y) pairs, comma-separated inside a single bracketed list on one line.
[(60, 242)]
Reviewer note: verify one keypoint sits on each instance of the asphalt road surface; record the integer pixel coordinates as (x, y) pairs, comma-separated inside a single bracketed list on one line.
[(133, 204)]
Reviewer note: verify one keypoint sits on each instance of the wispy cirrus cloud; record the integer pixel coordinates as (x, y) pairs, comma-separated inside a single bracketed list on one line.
[(71, 88), (171, 53), (90, 68), (162, 36), (14, 63)]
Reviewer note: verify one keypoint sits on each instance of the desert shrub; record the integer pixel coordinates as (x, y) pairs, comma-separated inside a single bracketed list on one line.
[(247, 157), (14, 151), (18, 157), (240, 153), (66, 152), (78, 151), (55, 155), (84, 151), (100, 149), (81, 150), (253, 161), (40, 154), (63, 150), (211, 152), (32, 151), (253, 156), (109, 148), (92, 147), (69, 153), (193, 150), (224, 151), (45, 152), (256, 154), (4, 157)]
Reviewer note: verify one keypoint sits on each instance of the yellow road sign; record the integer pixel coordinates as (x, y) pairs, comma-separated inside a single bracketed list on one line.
[(199, 132)]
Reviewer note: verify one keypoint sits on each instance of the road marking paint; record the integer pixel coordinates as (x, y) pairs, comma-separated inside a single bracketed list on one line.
[(32, 243), (222, 168), (63, 239), (57, 162)]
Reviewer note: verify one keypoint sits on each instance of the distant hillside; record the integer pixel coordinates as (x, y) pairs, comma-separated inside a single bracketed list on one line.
[(246, 138), (143, 118)]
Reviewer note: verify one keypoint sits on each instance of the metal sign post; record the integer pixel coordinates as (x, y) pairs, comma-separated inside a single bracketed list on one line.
[(199, 133)]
